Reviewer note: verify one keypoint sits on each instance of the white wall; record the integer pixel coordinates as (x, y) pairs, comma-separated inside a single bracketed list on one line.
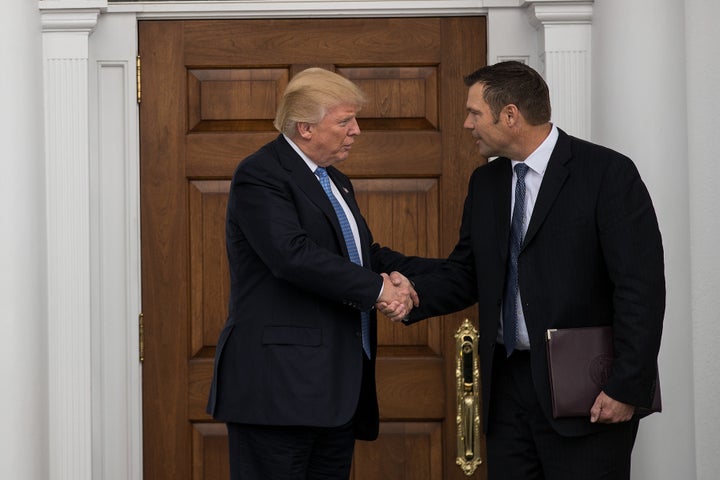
[(519, 40), (653, 100), (23, 337), (702, 72)]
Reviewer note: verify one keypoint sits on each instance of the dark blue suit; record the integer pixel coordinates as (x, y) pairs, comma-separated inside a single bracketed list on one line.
[(592, 255), (290, 353)]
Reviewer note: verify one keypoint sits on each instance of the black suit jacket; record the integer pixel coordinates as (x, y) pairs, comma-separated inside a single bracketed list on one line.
[(592, 255), (290, 352)]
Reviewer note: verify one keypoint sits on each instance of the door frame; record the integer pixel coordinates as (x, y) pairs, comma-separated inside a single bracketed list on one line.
[(116, 447), (110, 454)]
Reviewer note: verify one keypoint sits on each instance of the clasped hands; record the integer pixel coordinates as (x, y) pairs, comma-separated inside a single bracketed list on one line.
[(398, 296)]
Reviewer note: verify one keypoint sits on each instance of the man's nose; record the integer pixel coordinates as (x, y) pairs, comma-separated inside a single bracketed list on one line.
[(354, 128), (468, 124)]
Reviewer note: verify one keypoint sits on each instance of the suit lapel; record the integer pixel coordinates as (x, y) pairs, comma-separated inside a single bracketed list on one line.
[(345, 189), (553, 180), (308, 183), (502, 208)]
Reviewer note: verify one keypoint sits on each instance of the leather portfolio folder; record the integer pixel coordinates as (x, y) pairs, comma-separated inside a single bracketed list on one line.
[(579, 362)]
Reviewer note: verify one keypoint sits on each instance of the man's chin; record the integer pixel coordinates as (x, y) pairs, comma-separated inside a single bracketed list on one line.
[(486, 152)]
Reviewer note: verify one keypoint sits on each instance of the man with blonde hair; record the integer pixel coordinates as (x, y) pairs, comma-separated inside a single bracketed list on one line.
[(295, 364)]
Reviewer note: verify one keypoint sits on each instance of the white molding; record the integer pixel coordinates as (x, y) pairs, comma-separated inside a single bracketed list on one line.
[(564, 30), (558, 13), (68, 241), (117, 434), (299, 9), (71, 4), (72, 20), (115, 250)]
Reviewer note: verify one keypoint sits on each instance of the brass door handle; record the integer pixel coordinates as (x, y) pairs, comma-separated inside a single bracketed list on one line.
[(467, 377)]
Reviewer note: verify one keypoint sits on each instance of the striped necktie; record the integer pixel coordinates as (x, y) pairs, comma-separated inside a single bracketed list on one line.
[(510, 299), (351, 247)]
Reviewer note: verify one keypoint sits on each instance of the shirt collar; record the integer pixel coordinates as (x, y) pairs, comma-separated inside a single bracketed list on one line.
[(311, 165), (538, 160)]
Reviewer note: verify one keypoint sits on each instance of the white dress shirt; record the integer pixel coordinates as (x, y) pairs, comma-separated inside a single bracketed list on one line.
[(351, 219), (537, 163)]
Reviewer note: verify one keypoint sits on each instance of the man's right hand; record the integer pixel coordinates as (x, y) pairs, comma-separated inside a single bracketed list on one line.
[(398, 297)]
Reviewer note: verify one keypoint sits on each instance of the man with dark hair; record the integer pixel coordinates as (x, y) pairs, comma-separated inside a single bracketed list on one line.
[(556, 233)]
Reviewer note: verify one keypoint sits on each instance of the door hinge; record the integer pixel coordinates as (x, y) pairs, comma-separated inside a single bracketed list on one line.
[(138, 79), (141, 337)]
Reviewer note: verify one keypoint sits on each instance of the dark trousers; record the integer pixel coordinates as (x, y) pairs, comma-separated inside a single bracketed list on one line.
[(522, 445), (259, 452)]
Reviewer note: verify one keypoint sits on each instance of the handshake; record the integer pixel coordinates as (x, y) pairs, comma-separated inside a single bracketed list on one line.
[(398, 296)]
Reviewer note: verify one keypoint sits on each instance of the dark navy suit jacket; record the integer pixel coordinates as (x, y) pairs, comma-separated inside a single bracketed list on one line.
[(592, 255), (290, 353)]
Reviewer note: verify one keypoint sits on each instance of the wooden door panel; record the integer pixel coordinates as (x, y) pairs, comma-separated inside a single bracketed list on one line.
[(210, 452), (403, 213), (398, 93), (404, 451), (212, 154), (320, 42), (408, 388), (211, 89), (209, 274), (234, 99)]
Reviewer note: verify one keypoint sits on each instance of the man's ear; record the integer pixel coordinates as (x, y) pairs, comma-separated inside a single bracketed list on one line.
[(304, 130), (510, 115)]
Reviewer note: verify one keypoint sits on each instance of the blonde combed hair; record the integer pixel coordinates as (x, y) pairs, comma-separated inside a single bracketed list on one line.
[(310, 94)]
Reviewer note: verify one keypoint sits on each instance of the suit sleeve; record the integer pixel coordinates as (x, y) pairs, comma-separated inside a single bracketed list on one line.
[(263, 211), (632, 246), (451, 285), (387, 260)]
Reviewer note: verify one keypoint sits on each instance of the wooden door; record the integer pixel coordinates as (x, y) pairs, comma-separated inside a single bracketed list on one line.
[(209, 94)]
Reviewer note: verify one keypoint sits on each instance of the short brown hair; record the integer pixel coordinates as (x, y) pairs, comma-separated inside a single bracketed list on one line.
[(513, 82)]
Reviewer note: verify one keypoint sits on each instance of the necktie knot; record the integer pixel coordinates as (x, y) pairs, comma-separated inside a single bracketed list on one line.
[(321, 172), (521, 170)]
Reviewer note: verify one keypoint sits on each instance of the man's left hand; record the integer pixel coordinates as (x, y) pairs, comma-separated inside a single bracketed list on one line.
[(608, 410)]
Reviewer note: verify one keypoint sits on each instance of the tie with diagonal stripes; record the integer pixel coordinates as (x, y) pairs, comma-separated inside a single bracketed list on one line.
[(351, 247), (510, 299)]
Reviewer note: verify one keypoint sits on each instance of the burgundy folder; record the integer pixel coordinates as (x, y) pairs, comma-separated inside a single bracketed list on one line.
[(579, 361)]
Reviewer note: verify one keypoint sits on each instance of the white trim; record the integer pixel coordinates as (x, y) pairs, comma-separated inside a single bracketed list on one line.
[(65, 36), (115, 234), (298, 9), (565, 40), (561, 13)]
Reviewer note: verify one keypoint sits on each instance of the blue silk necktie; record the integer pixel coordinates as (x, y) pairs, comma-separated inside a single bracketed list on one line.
[(351, 247), (510, 299)]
